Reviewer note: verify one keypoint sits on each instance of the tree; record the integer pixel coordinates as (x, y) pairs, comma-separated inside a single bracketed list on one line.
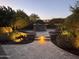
[(19, 23), (75, 9), (72, 24), (6, 14), (22, 14), (21, 20), (39, 22), (72, 21), (53, 23), (34, 17)]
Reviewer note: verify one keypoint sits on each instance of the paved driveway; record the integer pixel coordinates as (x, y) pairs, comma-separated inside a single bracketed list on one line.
[(36, 51)]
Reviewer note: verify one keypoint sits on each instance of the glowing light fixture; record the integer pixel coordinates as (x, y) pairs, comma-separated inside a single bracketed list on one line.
[(42, 39)]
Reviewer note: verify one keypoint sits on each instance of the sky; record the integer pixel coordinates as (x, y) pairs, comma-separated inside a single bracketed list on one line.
[(45, 9)]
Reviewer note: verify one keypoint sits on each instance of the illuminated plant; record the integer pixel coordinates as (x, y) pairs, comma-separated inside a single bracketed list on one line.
[(17, 36)]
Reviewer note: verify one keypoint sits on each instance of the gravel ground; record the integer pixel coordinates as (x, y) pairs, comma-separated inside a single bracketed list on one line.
[(37, 51)]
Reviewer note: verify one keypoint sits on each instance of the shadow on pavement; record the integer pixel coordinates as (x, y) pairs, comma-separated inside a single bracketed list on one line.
[(71, 50), (11, 42), (3, 55)]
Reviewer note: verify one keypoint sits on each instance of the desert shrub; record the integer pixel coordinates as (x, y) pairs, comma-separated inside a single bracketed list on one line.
[(65, 39), (76, 40), (4, 30), (17, 36)]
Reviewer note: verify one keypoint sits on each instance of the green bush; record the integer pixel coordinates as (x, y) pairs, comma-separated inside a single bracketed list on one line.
[(65, 40)]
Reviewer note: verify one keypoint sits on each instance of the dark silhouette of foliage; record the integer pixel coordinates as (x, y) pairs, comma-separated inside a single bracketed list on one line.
[(34, 17), (39, 22), (75, 9), (72, 21), (54, 22), (22, 14), (6, 14)]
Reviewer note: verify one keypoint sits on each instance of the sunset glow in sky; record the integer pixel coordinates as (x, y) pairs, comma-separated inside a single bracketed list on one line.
[(45, 9)]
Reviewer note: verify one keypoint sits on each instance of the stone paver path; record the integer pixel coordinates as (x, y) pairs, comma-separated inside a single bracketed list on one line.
[(37, 51)]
